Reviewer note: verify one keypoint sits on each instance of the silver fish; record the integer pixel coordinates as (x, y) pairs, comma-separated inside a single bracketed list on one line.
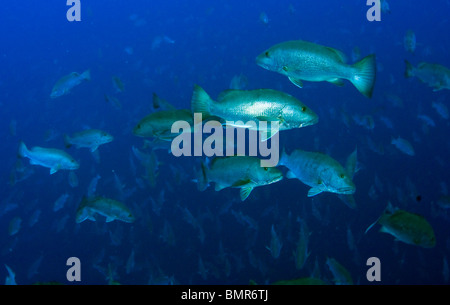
[(302, 60), (66, 83), (242, 106), (90, 138), (242, 172), (52, 158), (319, 171)]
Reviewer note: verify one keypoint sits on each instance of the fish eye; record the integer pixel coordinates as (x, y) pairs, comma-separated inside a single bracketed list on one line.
[(266, 169), (267, 53), (303, 109), (342, 176)]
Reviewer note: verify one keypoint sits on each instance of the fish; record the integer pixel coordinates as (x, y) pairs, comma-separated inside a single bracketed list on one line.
[(341, 275), (239, 82), (319, 171), (409, 228), (11, 278), (263, 18), (434, 75), (52, 158), (409, 41), (89, 138), (385, 7), (14, 226), (66, 83), (242, 106), (59, 203), (302, 60), (301, 252), (118, 84), (403, 145), (275, 244), (159, 124), (426, 120), (111, 209), (441, 109), (243, 172)]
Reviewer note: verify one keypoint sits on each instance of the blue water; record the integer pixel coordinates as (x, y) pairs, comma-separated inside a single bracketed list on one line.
[(209, 42)]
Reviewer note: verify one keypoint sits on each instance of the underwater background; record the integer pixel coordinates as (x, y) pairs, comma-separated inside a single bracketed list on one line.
[(181, 235)]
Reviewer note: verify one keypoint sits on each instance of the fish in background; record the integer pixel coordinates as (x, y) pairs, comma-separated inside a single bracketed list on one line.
[(118, 84), (441, 109), (68, 82), (73, 179), (302, 60), (239, 82), (11, 277), (319, 171), (385, 7), (341, 275), (52, 158), (410, 228), (275, 244), (14, 226), (90, 138), (263, 18), (403, 145), (409, 41), (301, 252), (111, 209), (434, 75), (160, 39)]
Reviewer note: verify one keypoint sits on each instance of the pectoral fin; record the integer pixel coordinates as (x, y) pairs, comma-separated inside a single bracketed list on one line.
[(296, 82), (54, 170), (245, 192), (94, 148), (314, 191)]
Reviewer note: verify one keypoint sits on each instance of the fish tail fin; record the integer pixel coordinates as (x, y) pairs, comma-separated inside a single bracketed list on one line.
[(23, 150), (86, 75), (202, 178), (365, 75), (201, 102), (67, 143), (409, 70)]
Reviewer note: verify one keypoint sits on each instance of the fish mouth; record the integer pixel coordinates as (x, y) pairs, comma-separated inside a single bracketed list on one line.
[(309, 123), (346, 190), (276, 179)]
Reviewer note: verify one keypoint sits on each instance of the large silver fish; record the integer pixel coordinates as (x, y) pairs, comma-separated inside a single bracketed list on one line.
[(242, 106), (319, 171), (52, 158), (302, 60)]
